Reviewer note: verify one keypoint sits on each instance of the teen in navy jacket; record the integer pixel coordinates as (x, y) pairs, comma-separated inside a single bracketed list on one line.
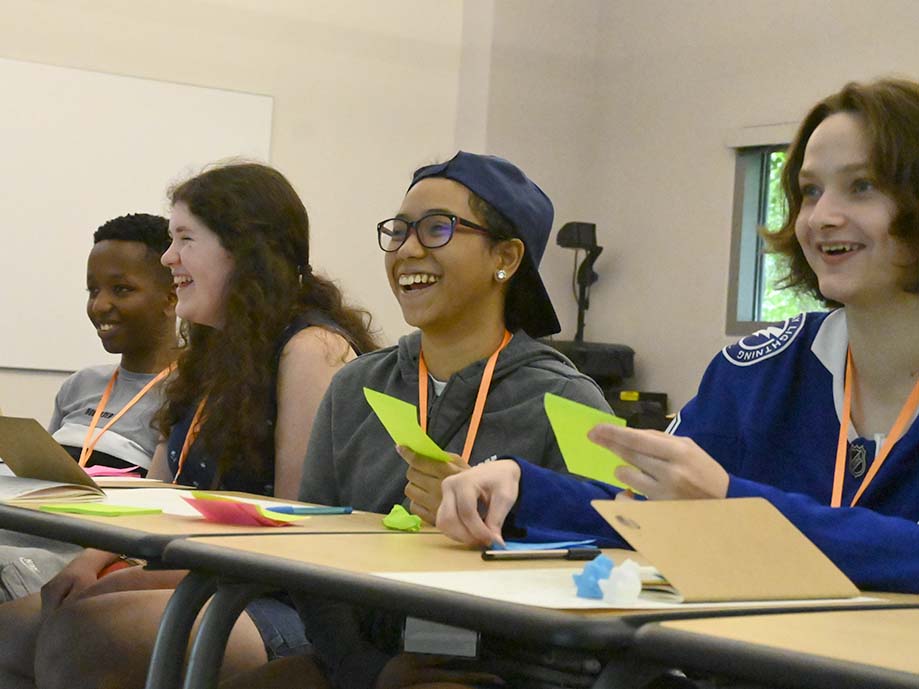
[(771, 417)]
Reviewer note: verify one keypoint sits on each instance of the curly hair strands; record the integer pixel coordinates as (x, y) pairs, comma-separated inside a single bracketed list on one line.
[(261, 221)]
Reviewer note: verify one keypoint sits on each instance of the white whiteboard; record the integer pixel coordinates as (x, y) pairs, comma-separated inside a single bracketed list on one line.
[(79, 148)]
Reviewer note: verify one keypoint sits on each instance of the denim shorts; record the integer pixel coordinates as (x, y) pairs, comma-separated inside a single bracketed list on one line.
[(280, 627)]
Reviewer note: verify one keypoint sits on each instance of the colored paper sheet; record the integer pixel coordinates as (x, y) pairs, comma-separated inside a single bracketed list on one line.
[(100, 470), (229, 511), (267, 509), (557, 545), (571, 422), (400, 419), (101, 509)]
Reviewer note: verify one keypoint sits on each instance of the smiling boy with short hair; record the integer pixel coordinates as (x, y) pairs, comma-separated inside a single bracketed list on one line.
[(131, 304)]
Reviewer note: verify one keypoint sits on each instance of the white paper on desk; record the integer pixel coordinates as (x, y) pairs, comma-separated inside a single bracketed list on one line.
[(554, 588), (167, 499)]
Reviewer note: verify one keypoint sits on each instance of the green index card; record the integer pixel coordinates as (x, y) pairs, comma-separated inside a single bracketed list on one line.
[(400, 419), (571, 421)]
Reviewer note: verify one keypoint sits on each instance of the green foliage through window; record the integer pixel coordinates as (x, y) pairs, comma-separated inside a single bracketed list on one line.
[(772, 302)]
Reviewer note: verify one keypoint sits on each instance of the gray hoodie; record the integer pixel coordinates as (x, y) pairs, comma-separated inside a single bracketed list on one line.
[(352, 460)]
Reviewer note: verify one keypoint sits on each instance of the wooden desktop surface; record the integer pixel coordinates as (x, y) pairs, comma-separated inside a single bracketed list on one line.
[(431, 552), (365, 553), (145, 536), (178, 525), (887, 639), (342, 567)]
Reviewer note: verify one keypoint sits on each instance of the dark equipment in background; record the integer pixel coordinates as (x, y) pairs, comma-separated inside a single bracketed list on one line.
[(581, 236), (608, 364)]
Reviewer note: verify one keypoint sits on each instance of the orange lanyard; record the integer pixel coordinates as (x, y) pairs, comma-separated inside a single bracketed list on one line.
[(193, 429), (479, 408), (89, 443), (896, 432)]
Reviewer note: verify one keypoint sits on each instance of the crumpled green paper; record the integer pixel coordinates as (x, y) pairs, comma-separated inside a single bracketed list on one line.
[(399, 519)]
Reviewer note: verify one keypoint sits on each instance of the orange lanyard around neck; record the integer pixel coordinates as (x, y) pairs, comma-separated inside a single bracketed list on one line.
[(479, 408), (89, 443), (193, 429), (896, 432)]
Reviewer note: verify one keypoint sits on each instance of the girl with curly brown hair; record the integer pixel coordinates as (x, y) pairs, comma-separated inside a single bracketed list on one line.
[(264, 336)]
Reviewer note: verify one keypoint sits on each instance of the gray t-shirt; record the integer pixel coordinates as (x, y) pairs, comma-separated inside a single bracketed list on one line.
[(132, 438)]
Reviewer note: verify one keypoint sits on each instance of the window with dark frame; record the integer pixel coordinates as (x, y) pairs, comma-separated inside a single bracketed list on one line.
[(754, 297)]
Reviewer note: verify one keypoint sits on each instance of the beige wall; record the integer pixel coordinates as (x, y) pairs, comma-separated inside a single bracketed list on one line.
[(363, 93), (619, 109), (543, 114), (677, 78)]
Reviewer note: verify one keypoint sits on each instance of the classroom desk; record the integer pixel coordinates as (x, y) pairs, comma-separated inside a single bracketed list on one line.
[(145, 536), (340, 566), (873, 649)]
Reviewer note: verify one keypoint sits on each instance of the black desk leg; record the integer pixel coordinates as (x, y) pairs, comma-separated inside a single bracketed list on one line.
[(216, 624), (165, 671)]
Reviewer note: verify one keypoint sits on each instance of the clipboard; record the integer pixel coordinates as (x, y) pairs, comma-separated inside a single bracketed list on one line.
[(30, 452), (740, 549)]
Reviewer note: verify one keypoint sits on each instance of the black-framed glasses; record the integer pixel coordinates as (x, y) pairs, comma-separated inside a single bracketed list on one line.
[(433, 230)]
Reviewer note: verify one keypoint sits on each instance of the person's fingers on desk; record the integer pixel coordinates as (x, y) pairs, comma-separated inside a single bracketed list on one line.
[(456, 519), (663, 466), (494, 487), (501, 500), (448, 521)]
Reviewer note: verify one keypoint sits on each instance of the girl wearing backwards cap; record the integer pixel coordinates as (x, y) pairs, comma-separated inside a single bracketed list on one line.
[(461, 255)]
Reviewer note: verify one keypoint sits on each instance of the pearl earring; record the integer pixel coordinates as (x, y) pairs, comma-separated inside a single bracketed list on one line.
[(501, 275)]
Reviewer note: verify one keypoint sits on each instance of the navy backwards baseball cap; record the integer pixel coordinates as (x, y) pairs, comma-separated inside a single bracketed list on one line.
[(505, 188)]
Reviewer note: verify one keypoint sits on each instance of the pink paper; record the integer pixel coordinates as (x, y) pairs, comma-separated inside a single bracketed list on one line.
[(226, 512), (97, 470)]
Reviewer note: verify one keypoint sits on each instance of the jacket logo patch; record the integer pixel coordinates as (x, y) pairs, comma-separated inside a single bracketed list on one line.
[(764, 343)]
